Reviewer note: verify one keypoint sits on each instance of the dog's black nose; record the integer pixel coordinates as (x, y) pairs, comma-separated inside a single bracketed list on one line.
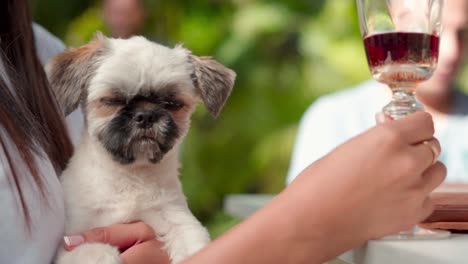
[(145, 119)]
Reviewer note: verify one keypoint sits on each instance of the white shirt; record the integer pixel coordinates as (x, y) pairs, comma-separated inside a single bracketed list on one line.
[(38, 247), (335, 118), (48, 45), (47, 221)]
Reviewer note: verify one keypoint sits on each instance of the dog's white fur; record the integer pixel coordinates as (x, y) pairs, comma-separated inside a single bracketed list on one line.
[(98, 190)]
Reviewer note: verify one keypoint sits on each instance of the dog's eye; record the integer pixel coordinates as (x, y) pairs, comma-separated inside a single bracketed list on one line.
[(172, 105), (113, 101)]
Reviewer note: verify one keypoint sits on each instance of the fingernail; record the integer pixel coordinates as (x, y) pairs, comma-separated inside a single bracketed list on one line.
[(73, 241), (379, 118)]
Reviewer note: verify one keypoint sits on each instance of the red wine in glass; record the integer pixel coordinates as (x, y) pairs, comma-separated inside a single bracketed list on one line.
[(402, 59)]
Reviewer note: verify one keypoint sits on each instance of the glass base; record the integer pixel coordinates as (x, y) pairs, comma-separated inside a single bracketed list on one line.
[(418, 233), (403, 103)]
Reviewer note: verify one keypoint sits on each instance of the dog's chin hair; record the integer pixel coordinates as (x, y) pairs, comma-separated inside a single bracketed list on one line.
[(147, 150), (142, 150), (127, 146)]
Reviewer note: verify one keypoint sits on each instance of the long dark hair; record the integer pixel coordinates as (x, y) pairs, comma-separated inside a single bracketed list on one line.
[(29, 113)]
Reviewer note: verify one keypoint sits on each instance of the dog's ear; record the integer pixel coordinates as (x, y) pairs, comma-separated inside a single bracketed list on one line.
[(214, 82), (70, 71)]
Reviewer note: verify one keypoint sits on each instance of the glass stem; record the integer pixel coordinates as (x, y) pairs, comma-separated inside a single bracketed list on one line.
[(403, 103)]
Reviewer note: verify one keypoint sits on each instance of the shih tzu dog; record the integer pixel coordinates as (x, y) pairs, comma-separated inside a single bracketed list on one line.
[(137, 98)]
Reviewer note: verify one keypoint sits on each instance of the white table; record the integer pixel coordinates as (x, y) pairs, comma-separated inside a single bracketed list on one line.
[(453, 250)]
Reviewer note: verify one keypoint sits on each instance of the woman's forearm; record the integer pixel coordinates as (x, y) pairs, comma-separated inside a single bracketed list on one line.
[(373, 185), (266, 237), (281, 232)]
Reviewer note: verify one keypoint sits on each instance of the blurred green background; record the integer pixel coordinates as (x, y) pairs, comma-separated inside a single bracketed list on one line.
[(286, 54)]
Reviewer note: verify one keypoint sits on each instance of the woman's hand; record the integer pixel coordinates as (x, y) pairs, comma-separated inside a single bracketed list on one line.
[(376, 184), (137, 242)]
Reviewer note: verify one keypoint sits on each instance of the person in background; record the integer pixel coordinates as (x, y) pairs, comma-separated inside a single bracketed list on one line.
[(124, 18), (303, 224), (337, 117)]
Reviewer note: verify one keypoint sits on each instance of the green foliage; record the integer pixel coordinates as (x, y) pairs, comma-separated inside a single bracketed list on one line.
[(219, 223), (83, 28), (55, 15), (286, 54)]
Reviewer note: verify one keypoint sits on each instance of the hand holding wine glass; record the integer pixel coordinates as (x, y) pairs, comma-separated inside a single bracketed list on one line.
[(401, 39)]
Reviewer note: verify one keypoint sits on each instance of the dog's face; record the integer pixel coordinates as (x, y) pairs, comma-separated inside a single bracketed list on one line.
[(137, 96)]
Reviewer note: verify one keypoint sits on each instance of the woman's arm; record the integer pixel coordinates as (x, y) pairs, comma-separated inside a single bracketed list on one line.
[(373, 185)]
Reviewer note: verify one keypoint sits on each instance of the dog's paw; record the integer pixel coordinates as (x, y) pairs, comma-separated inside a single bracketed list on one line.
[(90, 253)]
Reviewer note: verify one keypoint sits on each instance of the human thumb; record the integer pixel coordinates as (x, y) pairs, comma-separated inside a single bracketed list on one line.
[(381, 118)]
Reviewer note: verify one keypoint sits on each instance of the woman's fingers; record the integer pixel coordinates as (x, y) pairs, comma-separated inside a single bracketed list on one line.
[(430, 179), (146, 252), (137, 241), (415, 127), (427, 209), (426, 152), (122, 236), (434, 145), (433, 177), (381, 118)]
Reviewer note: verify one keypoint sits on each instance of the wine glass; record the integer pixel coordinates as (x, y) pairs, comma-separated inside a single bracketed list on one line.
[(401, 39)]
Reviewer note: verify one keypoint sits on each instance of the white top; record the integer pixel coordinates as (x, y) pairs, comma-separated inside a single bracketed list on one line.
[(47, 45), (47, 221), (38, 247), (337, 117)]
